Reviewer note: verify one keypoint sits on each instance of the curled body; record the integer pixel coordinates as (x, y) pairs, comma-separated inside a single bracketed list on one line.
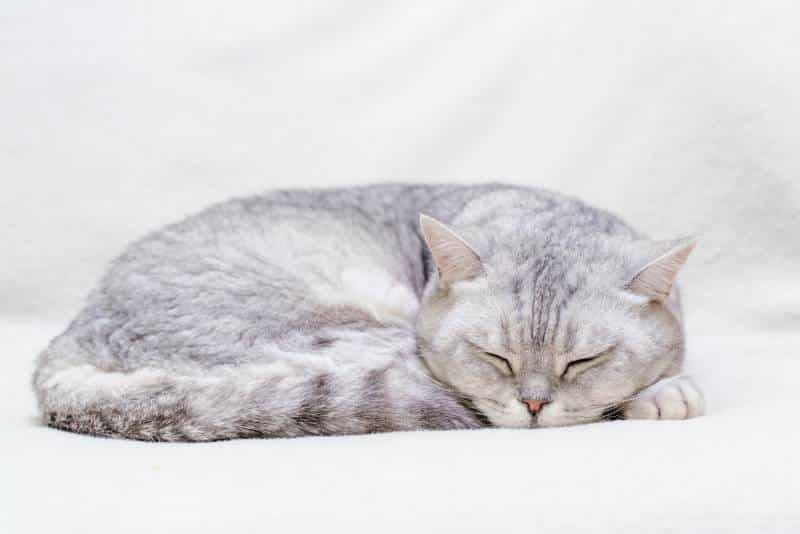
[(371, 309)]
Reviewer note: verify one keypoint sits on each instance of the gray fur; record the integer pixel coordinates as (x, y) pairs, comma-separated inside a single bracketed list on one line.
[(322, 312)]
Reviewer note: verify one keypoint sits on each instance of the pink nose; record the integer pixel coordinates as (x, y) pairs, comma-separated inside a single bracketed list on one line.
[(534, 406)]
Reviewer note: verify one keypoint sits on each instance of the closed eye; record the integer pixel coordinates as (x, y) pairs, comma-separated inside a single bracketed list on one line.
[(574, 364), (581, 364), (499, 359)]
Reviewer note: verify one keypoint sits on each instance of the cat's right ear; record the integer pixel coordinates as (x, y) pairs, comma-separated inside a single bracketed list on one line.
[(454, 258)]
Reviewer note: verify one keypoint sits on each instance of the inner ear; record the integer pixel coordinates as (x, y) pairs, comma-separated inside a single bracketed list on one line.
[(656, 278), (455, 259)]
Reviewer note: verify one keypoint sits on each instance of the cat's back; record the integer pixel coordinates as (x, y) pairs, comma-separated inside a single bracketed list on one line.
[(283, 265), (274, 266), (336, 247)]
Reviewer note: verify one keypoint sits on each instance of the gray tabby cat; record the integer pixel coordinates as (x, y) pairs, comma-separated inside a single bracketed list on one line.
[(346, 311)]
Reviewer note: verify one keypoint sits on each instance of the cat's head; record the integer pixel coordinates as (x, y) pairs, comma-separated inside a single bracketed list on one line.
[(550, 336)]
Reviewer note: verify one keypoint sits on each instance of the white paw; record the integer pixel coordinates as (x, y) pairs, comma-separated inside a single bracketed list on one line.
[(671, 398)]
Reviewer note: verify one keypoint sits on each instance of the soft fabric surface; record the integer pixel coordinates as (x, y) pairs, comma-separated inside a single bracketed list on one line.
[(681, 117), (736, 469)]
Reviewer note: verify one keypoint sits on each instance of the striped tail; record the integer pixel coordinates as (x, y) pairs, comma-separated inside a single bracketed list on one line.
[(245, 401)]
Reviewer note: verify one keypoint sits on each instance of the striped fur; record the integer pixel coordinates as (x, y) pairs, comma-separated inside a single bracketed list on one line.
[(321, 312)]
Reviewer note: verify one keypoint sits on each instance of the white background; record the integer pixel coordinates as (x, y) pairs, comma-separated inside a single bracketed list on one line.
[(117, 117)]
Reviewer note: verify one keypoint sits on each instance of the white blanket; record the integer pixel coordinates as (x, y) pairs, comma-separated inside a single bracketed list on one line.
[(681, 116)]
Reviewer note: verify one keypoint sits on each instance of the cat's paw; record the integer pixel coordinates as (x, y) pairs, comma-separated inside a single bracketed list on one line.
[(671, 398)]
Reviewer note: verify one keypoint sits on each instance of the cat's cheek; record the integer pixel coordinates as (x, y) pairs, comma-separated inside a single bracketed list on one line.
[(559, 413), (512, 415), (554, 414)]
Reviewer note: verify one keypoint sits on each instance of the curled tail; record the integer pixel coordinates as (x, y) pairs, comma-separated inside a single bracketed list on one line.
[(271, 399)]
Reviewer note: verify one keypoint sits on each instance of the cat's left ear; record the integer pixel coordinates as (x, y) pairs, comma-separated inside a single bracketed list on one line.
[(454, 258), (656, 278)]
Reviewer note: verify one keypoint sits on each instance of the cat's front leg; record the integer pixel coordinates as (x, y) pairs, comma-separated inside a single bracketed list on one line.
[(671, 398)]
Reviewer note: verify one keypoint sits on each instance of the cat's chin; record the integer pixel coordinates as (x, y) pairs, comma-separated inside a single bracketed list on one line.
[(514, 414)]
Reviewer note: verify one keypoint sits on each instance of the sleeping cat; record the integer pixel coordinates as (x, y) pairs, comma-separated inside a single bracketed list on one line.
[(373, 309)]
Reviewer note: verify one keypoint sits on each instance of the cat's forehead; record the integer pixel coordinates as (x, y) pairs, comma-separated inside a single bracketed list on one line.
[(538, 314)]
